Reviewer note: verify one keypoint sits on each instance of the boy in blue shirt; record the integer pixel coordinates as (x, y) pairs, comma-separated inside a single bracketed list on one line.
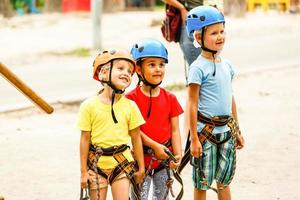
[(212, 110)]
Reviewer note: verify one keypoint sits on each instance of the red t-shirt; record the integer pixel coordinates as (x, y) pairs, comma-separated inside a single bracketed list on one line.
[(158, 125)]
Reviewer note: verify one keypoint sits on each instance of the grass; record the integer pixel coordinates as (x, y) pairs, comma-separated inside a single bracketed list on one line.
[(79, 52), (175, 87), (159, 7)]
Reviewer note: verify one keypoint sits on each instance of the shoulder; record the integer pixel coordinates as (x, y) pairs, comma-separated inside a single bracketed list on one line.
[(128, 102), (199, 65), (89, 101), (132, 94), (167, 94), (230, 66)]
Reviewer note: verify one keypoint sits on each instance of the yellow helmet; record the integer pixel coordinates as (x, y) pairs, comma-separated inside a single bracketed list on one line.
[(108, 56)]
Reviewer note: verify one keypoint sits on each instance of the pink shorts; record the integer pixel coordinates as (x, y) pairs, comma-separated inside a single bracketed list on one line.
[(102, 182)]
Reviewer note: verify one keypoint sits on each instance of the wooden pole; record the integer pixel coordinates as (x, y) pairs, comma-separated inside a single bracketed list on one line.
[(25, 89)]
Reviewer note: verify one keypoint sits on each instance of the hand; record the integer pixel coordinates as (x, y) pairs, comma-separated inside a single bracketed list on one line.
[(174, 165), (183, 13), (139, 176), (196, 149), (159, 151), (84, 180), (240, 142)]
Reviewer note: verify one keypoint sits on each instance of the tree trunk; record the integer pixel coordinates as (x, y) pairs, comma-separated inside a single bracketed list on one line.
[(53, 5), (236, 8), (5, 8)]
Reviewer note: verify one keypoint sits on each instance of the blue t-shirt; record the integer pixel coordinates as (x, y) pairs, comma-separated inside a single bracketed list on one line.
[(215, 97)]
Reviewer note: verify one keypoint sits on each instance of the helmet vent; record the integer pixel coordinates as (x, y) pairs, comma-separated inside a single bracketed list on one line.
[(141, 49), (202, 18), (194, 16)]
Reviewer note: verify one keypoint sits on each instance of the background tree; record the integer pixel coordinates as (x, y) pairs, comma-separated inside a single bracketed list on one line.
[(6, 8), (53, 5), (236, 8)]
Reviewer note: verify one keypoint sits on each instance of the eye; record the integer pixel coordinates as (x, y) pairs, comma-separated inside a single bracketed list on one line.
[(151, 65), (120, 68)]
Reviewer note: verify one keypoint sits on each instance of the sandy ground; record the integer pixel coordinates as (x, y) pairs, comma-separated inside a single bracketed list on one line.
[(40, 160), (39, 153)]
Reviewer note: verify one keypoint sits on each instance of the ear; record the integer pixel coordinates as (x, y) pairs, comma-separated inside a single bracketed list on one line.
[(138, 69), (198, 36), (103, 74)]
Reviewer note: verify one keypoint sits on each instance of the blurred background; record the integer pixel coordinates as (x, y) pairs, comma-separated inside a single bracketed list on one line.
[(51, 45)]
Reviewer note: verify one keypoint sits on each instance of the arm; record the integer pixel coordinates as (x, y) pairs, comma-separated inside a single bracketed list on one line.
[(84, 150), (193, 96), (138, 153), (240, 139), (176, 142), (180, 7), (157, 147)]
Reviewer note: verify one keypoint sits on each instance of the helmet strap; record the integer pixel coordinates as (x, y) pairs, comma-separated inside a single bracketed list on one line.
[(114, 92), (203, 47)]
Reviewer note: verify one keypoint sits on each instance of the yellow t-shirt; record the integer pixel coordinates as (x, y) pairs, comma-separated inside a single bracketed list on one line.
[(94, 116)]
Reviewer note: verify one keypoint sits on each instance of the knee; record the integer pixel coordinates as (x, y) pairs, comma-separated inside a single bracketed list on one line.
[(221, 186)]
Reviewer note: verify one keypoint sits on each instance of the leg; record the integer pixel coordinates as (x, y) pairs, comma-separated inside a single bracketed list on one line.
[(98, 186), (199, 194), (190, 52), (223, 192), (145, 187), (186, 127), (160, 189), (225, 167), (94, 194), (120, 189), (204, 170)]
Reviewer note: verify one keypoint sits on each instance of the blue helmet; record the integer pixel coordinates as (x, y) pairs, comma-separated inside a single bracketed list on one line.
[(201, 17), (149, 48)]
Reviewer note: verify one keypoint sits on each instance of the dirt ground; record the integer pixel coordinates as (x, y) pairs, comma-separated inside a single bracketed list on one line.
[(40, 153)]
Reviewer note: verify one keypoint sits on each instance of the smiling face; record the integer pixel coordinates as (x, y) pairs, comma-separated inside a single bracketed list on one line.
[(153, 69), (121, 73), (214, 37)]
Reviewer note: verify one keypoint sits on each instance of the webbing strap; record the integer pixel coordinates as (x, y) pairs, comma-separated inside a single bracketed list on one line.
[(214, 121), (128, 168), (187, 154)]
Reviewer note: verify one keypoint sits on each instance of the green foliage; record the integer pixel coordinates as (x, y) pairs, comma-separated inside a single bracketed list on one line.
[(175, 87), (80, 52)]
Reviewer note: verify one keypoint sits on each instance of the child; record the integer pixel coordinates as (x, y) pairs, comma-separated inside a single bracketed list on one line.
[(160, 109), (211, 106), (107, 122)]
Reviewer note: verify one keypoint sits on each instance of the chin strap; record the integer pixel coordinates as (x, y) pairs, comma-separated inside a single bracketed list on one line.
[(209, 50), (152, 86), (114, 92)]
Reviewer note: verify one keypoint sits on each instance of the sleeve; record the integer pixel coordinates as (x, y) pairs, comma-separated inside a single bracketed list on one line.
[(131, 95), (232, 71), (195, 75), (84, 118), (136, 118), (176, 108)]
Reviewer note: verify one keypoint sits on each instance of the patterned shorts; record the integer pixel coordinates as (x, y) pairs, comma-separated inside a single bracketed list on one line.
[(216, 162), (102, 182)]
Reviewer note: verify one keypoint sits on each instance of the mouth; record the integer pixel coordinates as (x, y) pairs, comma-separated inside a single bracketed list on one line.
[(124, 79), (157, 76)]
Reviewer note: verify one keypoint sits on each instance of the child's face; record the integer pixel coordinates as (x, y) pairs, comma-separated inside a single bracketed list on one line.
[(153, 69), (121, 73), (214, 37)]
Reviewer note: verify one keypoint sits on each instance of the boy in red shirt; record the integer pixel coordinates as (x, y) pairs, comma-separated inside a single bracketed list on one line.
[(160, 110)]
